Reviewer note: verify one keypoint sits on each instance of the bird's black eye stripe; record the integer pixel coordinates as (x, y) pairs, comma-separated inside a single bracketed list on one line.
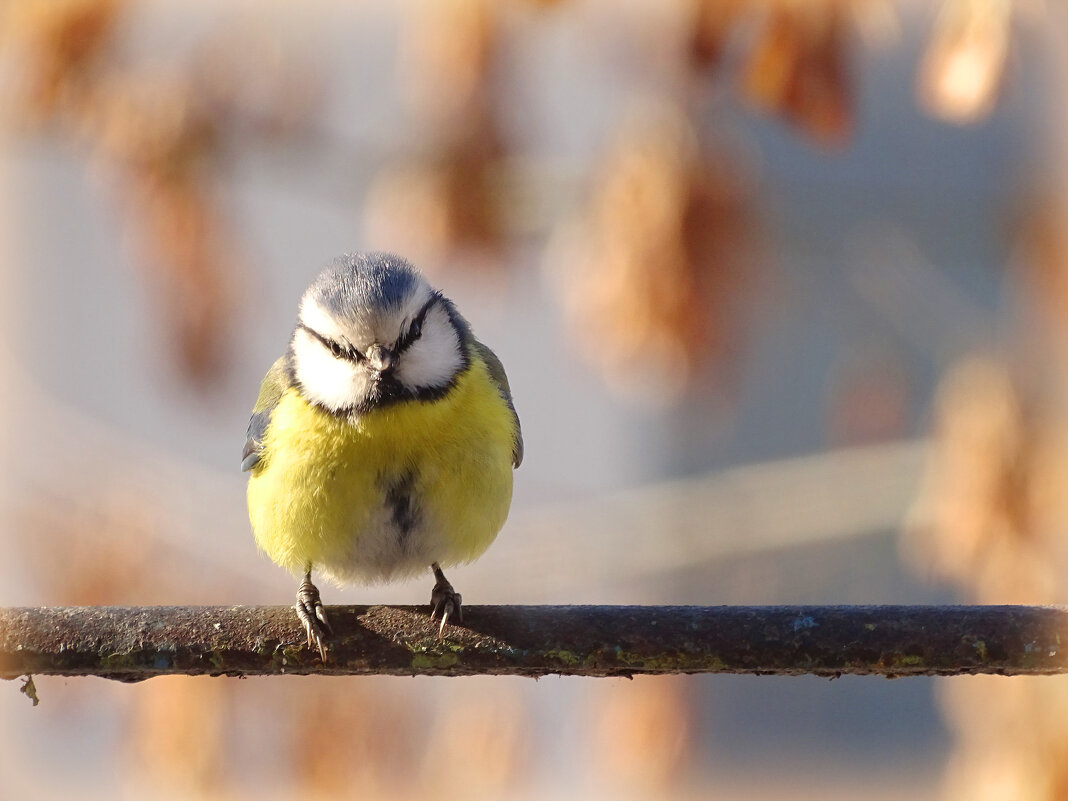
[(415, 330), (337, 350)]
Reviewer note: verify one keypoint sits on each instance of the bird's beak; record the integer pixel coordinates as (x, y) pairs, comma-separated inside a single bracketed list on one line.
[(380, 358)]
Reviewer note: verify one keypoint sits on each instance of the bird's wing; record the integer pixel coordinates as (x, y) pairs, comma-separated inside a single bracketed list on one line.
[(496, 371), (274, 385)]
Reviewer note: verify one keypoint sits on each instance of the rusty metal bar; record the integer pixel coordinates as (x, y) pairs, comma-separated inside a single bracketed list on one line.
[(131, 644)]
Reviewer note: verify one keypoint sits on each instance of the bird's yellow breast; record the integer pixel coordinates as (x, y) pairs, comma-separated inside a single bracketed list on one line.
[(383, 495)]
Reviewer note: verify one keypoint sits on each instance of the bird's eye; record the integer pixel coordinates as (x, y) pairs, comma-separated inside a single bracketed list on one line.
[(336, 350), (415, 330)]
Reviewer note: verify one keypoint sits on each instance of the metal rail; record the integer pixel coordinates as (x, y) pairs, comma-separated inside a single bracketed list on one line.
[(131, 644)]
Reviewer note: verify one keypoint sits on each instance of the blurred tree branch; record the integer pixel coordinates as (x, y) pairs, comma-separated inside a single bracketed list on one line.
[(131, 644)]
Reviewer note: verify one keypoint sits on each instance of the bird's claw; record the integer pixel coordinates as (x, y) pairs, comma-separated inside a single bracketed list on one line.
[(312, 614), (446, 601)]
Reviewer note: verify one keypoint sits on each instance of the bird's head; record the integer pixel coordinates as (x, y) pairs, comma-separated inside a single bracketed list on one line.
[(371, 331)]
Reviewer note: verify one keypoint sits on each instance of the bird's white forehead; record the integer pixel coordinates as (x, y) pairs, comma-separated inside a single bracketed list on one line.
[(362, 327)]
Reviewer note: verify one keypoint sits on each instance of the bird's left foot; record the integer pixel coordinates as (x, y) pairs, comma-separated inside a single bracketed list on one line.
[(444, 600), (312, 614)]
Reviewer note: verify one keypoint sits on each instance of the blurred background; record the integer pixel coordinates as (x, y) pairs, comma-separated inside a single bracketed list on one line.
[(782, 291)]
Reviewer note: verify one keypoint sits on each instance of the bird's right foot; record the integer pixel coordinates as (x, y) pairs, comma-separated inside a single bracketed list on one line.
[(444, 600), (312, 614)]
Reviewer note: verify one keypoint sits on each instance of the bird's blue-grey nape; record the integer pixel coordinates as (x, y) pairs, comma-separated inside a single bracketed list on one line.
[(357, 282)]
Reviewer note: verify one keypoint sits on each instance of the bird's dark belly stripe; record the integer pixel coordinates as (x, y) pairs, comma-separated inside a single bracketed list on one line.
[(403, 509)]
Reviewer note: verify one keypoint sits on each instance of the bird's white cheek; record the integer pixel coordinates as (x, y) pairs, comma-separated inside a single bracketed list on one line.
[(431, 361), (333, 383)]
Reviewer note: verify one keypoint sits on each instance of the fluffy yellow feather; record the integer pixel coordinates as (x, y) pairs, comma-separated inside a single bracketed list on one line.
[(319, 494)]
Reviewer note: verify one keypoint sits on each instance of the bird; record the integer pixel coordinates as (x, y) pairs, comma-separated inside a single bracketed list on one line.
[(383, 442)]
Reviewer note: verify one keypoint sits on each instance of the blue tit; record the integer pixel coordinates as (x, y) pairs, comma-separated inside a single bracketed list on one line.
[(383, 442)]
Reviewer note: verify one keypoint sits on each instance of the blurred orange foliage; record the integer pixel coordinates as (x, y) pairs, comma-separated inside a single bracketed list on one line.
[(63, 45), (447, 200), (650, 274), (712, 24), (991, 518), (643, 735), (963, 70), (178, 737), (799, 68), (161, 138)]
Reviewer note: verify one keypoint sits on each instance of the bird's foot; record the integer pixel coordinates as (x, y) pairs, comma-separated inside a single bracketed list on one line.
[(444, 600), (312, 614)]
